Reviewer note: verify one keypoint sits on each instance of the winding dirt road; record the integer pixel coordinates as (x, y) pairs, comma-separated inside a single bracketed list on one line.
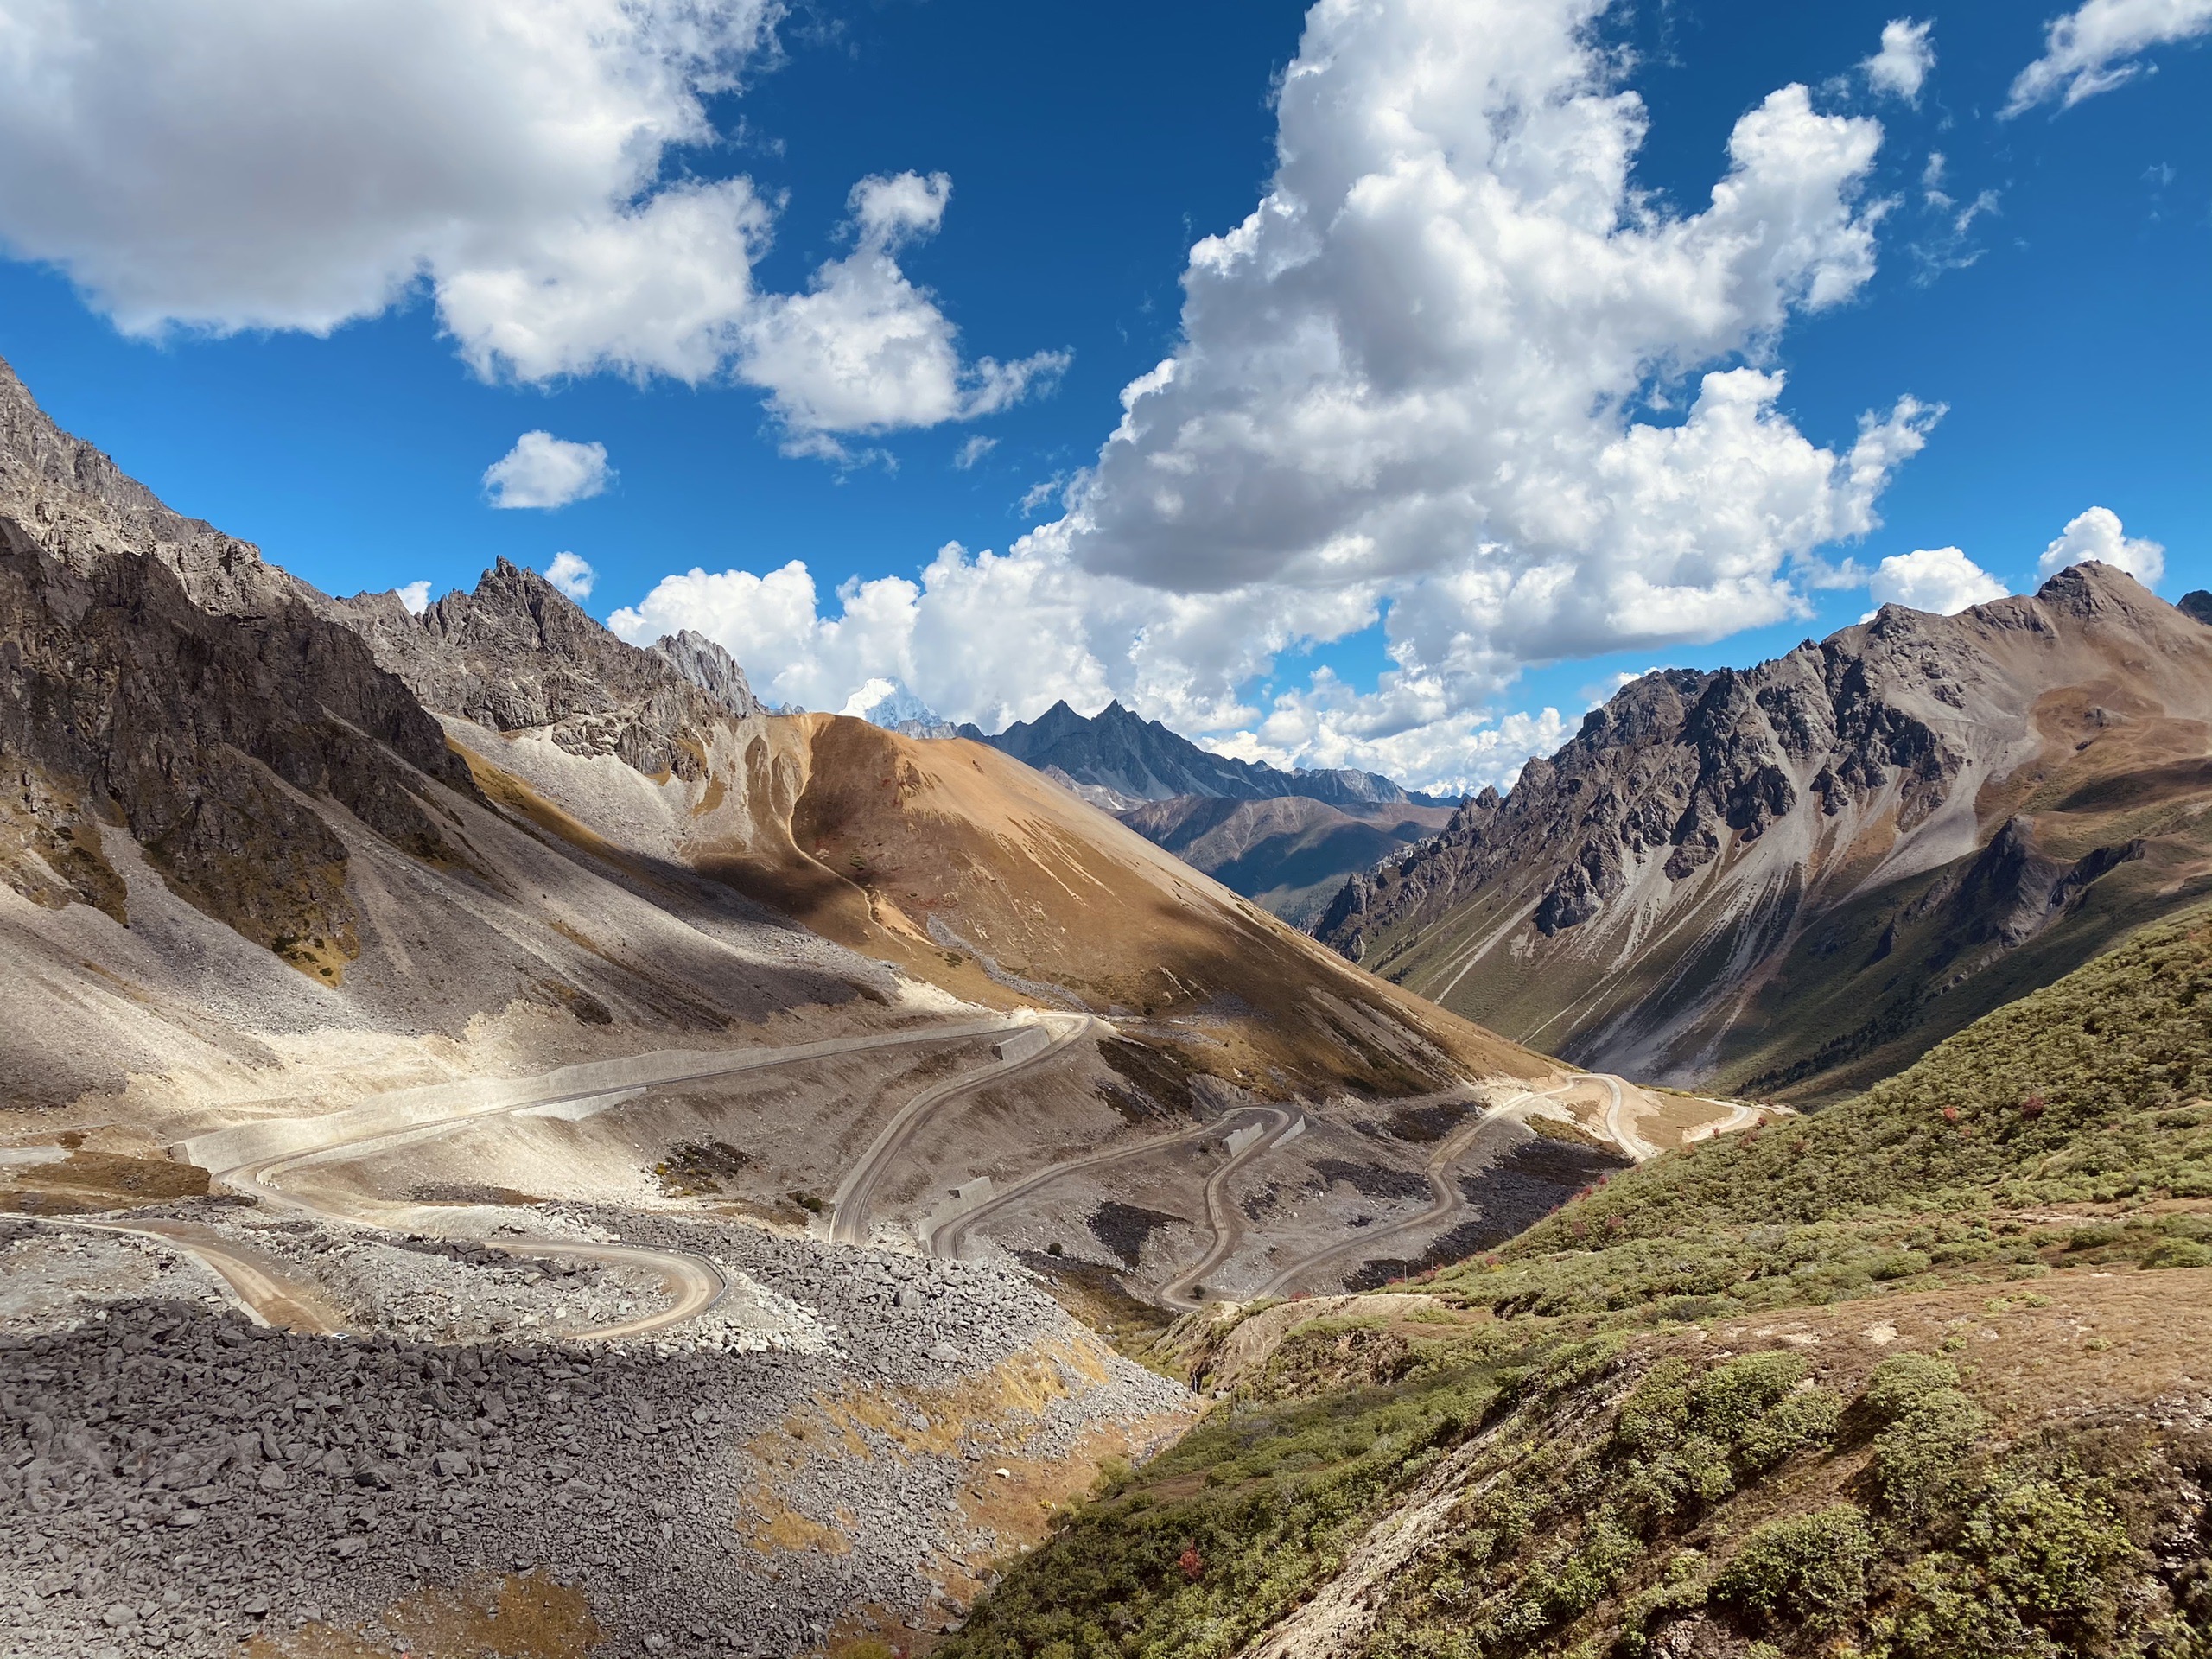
[(254, 1159), (855, 1194), (1221, 1215), (946, 1239), (1447, 1200), (260, 1285)]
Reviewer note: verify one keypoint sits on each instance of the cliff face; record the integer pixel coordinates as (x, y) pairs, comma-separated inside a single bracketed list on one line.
[(207, 737), (517, 655), (1782, 877)]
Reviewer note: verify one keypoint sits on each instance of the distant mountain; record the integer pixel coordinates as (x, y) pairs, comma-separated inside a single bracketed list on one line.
[(1289, 854), (1117, 760), (1792, 880), (889, 705)]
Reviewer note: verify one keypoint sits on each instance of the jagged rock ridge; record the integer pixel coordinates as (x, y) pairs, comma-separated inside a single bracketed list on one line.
[(1116, 760), (1785, 876), (518, 654)]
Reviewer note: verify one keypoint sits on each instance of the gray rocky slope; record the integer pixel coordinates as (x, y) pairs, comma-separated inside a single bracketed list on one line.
[(1796, 877), (517, 654), (224, 821), (244, 869), (178, 1480)]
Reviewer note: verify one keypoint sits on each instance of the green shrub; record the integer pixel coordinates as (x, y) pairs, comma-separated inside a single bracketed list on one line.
[(1924, 1452), (1806, 1570), (2178, 1253), (2037, 1567)]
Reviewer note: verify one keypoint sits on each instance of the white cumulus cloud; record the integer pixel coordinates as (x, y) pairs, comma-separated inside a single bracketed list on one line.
[(2097, 535), (2100, 46), (1938, 579), (1900, 67), (543, 471), (572, 575), (863, 350), (226, 165), (1455, 374), (415, 597), (973, 451)]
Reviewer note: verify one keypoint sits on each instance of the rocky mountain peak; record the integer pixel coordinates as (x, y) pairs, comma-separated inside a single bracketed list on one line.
[(516, 653), (80, 507), (1701, 829), (1117, 758), (710, 668)]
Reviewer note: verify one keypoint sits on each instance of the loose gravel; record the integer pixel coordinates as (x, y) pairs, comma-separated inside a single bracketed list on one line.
[(179, 1479)]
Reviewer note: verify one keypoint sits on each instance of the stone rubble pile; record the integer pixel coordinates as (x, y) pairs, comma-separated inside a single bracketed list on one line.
[(178, 1479)]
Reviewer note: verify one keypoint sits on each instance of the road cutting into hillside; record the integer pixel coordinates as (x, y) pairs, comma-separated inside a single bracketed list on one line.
[(1617, 1127), (1221, 1215), (945, 1239), (850, 1204), (1448, 1200), (257, 1283), (254, 1158)]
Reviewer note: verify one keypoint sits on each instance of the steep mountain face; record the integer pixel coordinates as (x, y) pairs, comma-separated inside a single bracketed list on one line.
[(710, 668), (517, 655), (1796, 877), (1290, 855), (1117, 760)]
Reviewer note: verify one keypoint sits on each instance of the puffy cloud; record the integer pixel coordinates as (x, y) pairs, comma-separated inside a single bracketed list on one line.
[(2097, 535), (1938, 579), (572, 575), (543, 471), (973, 451), (1900, 67), (415, 597), (2100, 47), (1455, 374), (230, 164), (863, 350)]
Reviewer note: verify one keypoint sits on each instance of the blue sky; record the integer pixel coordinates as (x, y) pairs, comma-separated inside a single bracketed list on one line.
[(2063, 331)]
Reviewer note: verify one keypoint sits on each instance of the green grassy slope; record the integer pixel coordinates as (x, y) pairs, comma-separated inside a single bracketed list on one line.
[(1905, 1378)]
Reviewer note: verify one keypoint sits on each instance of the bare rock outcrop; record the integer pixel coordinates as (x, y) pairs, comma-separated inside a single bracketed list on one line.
[(1700, 884), (517, 654)]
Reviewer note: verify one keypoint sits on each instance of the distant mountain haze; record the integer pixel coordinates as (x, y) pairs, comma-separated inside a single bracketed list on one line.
[(1791, 879), (1117, 758), (1289, 854), (1286, 840)]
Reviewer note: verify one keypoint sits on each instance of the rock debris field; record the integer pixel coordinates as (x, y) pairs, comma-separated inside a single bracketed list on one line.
[(824, 1444)]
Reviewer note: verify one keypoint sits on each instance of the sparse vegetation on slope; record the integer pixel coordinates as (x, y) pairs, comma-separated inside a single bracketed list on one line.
[(1666, 1420), (2088, 1095)]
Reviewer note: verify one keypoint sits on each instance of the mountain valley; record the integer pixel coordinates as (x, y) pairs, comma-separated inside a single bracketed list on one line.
[(504, 1134)]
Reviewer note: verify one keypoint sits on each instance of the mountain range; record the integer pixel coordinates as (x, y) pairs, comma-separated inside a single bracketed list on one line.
[(1792, 879), (1117, 760), (1284, 839), (404, 826)]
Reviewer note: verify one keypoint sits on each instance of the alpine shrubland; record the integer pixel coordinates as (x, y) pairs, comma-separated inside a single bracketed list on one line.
[(1910, 1377)]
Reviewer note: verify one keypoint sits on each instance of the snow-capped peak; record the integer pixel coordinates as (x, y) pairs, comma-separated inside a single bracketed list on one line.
[(888, 703)]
